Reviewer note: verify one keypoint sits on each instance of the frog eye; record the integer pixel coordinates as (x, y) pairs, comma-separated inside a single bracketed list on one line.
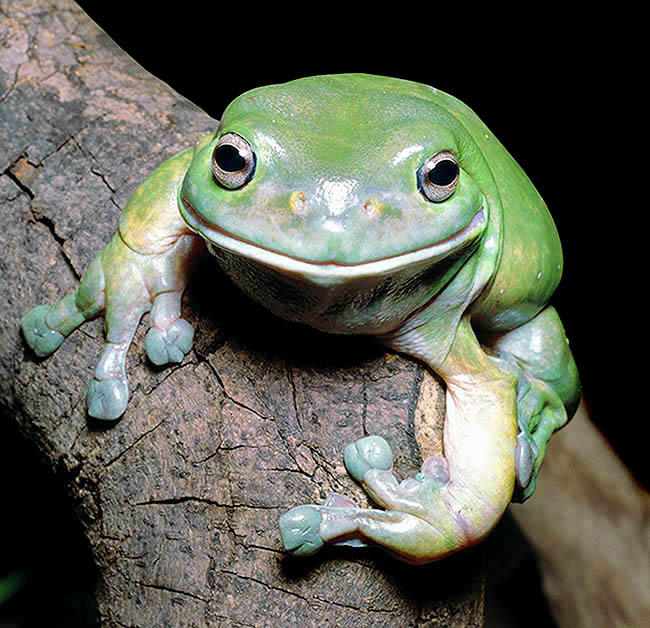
[(233, 161), (438, 176)]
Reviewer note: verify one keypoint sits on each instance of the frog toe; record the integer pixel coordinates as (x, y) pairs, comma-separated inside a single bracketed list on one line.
[(525, 457), (371, 452), (335, 500), (107, 399), (299, 528), (164, 346), (38, 335)]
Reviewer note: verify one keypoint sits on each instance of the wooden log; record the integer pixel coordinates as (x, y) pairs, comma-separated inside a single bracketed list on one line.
[(180, 499)]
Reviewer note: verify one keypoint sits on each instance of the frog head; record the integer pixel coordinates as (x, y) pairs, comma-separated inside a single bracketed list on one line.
[(338, 182)]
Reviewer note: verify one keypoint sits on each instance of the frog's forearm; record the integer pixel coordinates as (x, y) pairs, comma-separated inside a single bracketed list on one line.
[(479, 435), (472, 485)]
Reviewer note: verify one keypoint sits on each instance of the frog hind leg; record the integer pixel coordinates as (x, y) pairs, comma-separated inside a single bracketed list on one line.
[(548, 388)]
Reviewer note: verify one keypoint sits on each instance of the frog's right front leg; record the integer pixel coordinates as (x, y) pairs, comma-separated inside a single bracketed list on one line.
[(145, 267), (123, 285)]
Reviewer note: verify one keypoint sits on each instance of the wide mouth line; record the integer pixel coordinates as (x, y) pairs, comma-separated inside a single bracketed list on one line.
[(230, 242)]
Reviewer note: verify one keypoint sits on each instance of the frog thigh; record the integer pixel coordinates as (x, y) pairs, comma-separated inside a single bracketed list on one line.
[(548, 388)]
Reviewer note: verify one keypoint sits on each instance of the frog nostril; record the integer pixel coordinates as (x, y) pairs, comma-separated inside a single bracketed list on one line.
[(298, 202), (371, 207)]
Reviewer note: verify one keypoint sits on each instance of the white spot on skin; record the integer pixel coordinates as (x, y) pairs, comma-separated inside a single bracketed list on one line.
[(334, 226), (338, 195), (272, 144), (405, 153), (539, 275), (491, 244)]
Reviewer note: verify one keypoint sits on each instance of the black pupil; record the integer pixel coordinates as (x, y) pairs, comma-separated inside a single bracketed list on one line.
[(443, 173), (229, 159)]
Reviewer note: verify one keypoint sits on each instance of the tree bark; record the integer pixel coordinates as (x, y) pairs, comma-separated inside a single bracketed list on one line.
[(180, 499)]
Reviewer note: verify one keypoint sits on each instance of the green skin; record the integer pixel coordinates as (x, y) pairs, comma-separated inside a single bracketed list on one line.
[(331, 221)]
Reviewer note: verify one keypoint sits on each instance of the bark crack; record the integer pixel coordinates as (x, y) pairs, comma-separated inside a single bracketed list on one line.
[(140, 438), (160, 587), (16, 180)]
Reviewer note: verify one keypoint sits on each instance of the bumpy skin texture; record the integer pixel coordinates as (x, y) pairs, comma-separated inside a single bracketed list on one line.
[(359, 204)]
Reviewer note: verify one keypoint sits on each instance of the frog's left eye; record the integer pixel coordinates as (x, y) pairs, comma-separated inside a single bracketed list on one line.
[(233, 161), (438, 176)]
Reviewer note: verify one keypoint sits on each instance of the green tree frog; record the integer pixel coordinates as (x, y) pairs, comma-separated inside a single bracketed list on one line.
[(358, 204)]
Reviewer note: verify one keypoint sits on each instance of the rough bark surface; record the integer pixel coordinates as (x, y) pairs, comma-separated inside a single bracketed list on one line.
[(180, 499)]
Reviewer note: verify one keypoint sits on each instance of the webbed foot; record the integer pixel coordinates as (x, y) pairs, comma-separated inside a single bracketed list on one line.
[(526, 454), (164, 346), (42, 339), (540, 413)]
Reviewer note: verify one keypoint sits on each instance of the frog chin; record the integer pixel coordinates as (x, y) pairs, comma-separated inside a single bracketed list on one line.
[(333, 272)]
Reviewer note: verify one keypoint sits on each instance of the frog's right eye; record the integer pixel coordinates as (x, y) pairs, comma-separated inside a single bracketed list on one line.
[(233, 161), (438, 176)]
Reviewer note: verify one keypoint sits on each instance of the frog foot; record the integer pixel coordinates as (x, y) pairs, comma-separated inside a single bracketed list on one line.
[(107, 398), (306, 528), (416, 525), (526, 454), (172, 344), (371, 452), (299, 528), (540, 413), (42, 339)]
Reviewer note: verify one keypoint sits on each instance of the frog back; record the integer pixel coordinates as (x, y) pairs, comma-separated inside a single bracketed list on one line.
[(529, 263)]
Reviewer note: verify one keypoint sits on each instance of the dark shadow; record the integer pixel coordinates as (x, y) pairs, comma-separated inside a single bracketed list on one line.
[(42, 543), (235, 317)]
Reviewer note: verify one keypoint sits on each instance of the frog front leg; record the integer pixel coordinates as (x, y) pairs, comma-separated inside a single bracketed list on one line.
[(145, 267), (455, 501), (134, 285)]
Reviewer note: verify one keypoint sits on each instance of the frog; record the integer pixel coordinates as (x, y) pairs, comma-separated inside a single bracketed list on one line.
[(358, 204)]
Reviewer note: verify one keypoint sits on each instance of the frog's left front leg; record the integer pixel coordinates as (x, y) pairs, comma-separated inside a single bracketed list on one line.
[(455, 501)]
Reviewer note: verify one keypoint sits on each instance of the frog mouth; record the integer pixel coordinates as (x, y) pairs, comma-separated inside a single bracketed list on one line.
[(216, 237)]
